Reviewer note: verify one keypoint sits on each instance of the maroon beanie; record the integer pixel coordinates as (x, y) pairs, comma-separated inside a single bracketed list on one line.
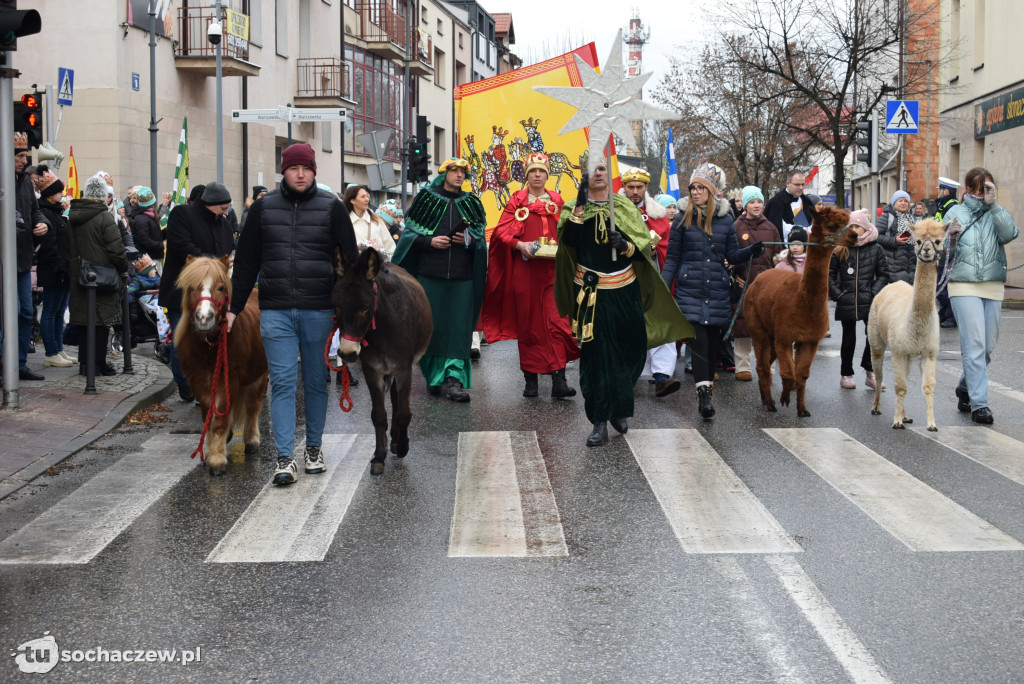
[(296, 155)]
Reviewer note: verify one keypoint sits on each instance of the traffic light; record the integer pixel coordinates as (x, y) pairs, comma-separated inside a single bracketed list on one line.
[(29, 118), (867, 143), (15, 23), (419, 159)]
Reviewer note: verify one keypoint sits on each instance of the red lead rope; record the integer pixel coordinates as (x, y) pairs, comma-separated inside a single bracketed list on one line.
[(344, 398), (220, 371)]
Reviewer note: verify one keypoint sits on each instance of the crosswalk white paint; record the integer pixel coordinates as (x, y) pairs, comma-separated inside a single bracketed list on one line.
[(910, 510), (504, 505), (298, 522), (957, 370), (991, 449), (844, 644), (707, 505), (82, 524)]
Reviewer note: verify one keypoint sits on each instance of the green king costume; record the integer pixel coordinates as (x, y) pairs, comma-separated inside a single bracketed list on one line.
[(454, 278), (617, 309)]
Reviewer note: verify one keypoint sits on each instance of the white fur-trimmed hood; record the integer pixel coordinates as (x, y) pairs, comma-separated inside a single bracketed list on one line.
[(653, 209), (723, 206)]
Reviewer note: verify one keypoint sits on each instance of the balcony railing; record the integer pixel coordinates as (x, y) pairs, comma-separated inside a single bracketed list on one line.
[(322, 77), (193, 23), (383, 21)]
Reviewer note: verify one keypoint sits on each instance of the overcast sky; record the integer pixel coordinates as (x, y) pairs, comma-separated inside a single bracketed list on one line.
[(545, 28)]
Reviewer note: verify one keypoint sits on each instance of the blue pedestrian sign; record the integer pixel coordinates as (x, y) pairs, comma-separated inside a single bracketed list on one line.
[(65, 86), (901, 116)]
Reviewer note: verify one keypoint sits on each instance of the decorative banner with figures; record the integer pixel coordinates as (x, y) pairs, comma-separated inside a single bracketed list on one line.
[(502, 120)]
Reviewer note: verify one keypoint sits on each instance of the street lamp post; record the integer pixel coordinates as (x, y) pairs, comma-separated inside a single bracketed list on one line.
[(216, 39), (152, 100)]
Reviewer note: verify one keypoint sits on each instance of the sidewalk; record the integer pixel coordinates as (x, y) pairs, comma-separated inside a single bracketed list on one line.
[(55, 418)]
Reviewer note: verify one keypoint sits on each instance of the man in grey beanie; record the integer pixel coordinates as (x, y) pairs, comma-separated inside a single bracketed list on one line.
[(200, 229)]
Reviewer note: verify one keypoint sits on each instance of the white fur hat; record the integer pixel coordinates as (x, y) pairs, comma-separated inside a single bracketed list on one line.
[(95, 189)]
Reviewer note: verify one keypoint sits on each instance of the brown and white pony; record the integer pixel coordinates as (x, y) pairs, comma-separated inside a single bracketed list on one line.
[(385, 321), (235, 361)]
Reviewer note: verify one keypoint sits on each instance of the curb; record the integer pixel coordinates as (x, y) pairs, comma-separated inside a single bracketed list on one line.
[(160, 390)]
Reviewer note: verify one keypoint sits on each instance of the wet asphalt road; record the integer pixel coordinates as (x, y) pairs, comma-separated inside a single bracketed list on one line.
[(628, 602)]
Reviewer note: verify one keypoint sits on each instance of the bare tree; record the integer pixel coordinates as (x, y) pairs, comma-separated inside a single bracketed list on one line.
[(840, 57), (725, 117)]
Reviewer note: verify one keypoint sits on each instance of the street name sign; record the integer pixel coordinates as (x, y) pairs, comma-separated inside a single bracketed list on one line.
[(291, 114)]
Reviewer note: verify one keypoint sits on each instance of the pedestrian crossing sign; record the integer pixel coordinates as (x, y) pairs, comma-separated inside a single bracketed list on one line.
[(901, 116), (65, 86)]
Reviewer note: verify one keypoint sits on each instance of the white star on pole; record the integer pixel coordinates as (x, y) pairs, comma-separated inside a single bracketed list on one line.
[(606, 102)]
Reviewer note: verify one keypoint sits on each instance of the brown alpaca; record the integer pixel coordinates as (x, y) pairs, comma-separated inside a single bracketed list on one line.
[(787, 312), (904, 319)]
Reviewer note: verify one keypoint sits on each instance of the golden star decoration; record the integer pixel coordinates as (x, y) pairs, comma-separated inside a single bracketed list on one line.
[(606, 102)]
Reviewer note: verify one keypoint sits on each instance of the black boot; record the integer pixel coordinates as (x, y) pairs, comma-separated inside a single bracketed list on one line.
[(455, 392), (620, 425), (599, 437), (559, 387), (531, 384), (704, 402)]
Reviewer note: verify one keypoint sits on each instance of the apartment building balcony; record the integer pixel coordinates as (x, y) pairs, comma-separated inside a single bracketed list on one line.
[(194, 53), (423, 62), (382, 27), (322, 82)]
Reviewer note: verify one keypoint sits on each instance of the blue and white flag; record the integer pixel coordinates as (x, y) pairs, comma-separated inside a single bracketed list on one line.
[(672, 188)]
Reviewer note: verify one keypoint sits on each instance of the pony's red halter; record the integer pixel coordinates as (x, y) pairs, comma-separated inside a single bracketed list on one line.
[(372, 325), (218, 305)]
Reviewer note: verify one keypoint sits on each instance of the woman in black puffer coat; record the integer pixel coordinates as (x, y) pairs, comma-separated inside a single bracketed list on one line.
[(702, 237), (854, 278)]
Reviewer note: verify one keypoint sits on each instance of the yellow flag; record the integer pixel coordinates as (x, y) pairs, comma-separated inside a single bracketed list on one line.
[(73, 190), (502, 120)]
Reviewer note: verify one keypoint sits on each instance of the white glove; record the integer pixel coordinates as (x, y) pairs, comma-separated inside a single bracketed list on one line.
[(954, 227), (990, 193)]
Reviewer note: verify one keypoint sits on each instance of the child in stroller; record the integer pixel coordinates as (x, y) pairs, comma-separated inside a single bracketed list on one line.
[(148, 321)]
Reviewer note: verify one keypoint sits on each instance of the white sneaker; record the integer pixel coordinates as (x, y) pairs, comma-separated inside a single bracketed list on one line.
[(286, 471), (848, 382), (67, 356), (57, 361), (314, 460)]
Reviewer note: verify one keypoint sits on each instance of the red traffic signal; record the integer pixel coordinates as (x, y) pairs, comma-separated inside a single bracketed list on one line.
[(31, 119)]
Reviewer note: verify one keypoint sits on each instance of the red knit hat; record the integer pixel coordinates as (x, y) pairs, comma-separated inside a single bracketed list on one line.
[(299, 154)]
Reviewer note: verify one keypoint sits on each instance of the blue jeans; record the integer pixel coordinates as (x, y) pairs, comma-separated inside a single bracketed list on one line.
[(978, 321), (290, 334), (51, 322), (25, 315)]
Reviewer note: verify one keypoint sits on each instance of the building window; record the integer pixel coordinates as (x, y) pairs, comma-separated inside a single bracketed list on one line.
[(377, 91), (325, 136), (979, 152), (281, 27), (460, 39), (440, 149), (253, 9), (439, 67), (440, 27), (954, 161)]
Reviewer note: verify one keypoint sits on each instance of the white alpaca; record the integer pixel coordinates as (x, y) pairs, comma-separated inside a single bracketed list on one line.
[(904, 319)]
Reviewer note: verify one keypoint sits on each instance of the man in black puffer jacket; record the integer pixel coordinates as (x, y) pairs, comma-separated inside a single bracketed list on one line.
[(289, 242)]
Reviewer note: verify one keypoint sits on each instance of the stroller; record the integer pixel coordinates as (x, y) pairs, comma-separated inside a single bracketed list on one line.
[(148, 321)]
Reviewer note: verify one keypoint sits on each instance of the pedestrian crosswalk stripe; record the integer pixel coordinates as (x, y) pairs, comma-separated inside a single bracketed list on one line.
[(910, 510), (956, 370), (844, 644), (991, 449), (504, 505), (298, 522), (707, 505), (82, 524)]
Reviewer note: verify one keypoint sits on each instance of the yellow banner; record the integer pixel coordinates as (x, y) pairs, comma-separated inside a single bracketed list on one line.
[(502, 121), (72, 189), (238, 25)]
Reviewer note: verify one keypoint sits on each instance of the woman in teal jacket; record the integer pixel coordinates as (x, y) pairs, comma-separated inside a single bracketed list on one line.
[(979, 230)]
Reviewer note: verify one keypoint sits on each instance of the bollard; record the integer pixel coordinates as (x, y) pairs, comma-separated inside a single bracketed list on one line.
[(90, 337), (126, 330)]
